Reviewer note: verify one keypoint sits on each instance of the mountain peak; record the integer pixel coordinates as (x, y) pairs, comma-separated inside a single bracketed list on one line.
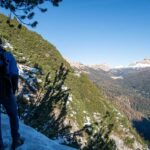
[(138, 64), (104, 67), (79, 65), (141, 64)]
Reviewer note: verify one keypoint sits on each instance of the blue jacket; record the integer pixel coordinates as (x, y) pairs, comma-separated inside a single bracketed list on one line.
[(12, 68), (9, 84)]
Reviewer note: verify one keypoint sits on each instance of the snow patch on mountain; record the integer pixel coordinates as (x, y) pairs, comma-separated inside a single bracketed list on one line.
[(81, 66), (104, 67), (139, 64), (28, 74), (8, 45), (116, 77), (33, 139), (77, 65)]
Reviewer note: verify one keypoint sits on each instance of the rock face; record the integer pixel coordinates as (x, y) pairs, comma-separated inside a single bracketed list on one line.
[(121, 145), (33, 139)]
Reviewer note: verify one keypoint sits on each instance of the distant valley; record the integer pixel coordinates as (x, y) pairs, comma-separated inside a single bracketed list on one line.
[(127, 87)]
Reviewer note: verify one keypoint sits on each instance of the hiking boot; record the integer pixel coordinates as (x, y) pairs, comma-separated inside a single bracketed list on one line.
[(1, 147), (17, 143)]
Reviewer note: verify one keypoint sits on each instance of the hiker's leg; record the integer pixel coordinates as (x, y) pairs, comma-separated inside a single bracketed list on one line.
[(11, 108), (1, 140)]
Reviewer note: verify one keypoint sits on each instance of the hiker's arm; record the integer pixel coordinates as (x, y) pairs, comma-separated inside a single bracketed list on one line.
[(14, 81), (13, 72)]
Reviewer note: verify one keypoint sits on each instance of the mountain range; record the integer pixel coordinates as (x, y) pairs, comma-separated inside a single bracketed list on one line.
[(128, 88), (61, 102)]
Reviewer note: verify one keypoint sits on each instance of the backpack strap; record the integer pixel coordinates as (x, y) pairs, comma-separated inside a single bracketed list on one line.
[(2, 54), (3, 59)]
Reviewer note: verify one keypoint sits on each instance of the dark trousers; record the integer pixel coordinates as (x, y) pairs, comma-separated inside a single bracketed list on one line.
[(10, 105)]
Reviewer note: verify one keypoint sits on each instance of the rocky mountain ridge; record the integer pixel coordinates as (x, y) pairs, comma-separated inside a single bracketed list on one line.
[(145, 63), (128, 88)]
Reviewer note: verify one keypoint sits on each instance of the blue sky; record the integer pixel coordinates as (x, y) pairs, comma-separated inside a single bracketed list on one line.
[(116, 32)]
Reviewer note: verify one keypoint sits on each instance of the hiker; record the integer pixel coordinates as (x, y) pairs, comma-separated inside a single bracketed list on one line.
[(8, 87)]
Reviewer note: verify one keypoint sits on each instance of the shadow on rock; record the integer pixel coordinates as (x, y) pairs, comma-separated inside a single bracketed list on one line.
[(143, 128)]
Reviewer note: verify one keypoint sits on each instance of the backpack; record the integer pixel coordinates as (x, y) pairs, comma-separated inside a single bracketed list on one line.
[(5, 81)]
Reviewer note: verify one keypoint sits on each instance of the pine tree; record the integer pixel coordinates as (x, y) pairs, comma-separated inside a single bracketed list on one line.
[(43, 113), (23, 10), (100, 140)]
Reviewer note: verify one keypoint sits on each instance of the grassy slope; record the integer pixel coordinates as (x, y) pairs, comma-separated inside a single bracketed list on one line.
[(86, 96)]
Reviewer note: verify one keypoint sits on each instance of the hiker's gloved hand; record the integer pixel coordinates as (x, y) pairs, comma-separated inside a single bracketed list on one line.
[(14, 81)]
